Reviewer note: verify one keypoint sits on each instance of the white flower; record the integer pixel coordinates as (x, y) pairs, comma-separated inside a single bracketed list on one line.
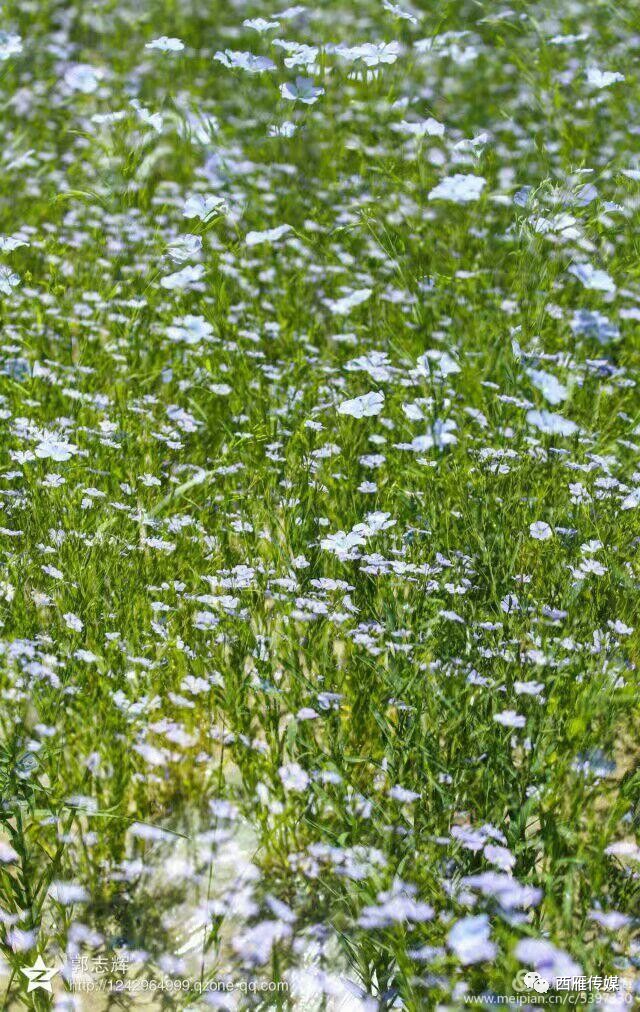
[(499, 856), (8, 280), (460, 189), (269, 235), (510, 603), (299, 53), (631, 501), (260, 25), (255, 944), (423, 128), (594, 324), (182, 279), (372, 54), (51, 448), (398, 12), (165, 44), (612, 920), (624, 848), (588, 567), (10, 242), (509, 718), (53, 572), (73, 622), (303, 90), (205, 620), (342, 543), (528, 688), (540, 531), (284, 129), (185, 247), (442, 434), (364, 406), (602, 78), (307, 713), (109, 117), (10, 45), (438, 363), (7, 854), (549, 961), (470, 940), (550, 387), (152, 119), (374, 522), (197, 206), (592, 277), (68, 893), (380, 52), (348, 302), (551, 424), (191, 330), (82, 77), (152, 755), (249, 62), (293, 777), (564, 225), (621, 629), (402, 795)]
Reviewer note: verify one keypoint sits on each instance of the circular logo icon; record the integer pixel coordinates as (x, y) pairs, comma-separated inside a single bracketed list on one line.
[(530, 980)]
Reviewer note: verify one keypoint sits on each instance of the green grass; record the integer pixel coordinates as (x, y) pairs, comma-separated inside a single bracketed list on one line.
[(205, 709)]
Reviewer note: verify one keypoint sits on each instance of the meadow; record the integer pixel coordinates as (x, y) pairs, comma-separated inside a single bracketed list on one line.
[(320, 505)]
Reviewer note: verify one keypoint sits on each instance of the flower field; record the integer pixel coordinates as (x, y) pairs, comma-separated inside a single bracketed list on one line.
[(320, 505)]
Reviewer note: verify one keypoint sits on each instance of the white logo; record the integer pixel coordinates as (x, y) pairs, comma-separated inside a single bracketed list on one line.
[(39, 975), (530, 980)]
